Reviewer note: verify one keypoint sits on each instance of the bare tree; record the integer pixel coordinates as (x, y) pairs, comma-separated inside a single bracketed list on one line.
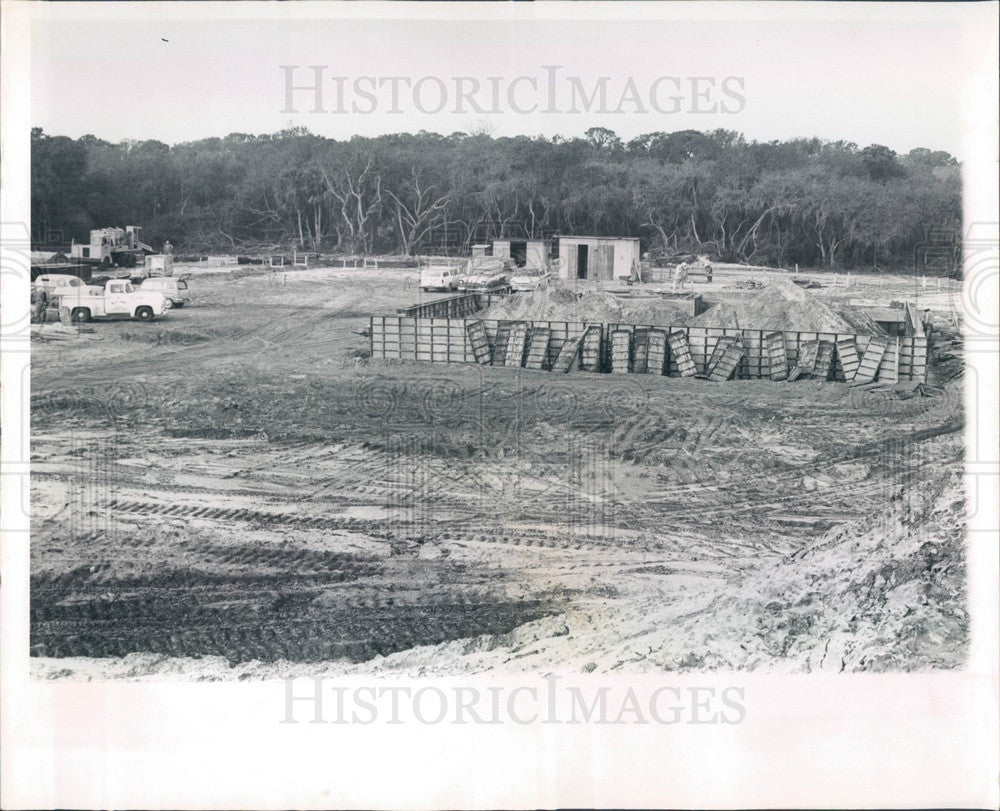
[(358, 194), (418, 208)]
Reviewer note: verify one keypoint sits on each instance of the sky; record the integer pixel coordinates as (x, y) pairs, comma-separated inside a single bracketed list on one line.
[(180, 77)]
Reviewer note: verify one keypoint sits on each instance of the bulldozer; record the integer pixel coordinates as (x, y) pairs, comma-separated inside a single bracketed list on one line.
[(112, 246)]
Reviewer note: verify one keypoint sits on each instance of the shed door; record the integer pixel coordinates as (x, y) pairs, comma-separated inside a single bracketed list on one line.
[(602, 262)]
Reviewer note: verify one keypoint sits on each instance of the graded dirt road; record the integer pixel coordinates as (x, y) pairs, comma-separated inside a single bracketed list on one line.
[(237, 490)]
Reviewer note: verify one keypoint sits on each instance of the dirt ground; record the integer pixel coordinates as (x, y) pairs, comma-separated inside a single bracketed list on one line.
[(236, 491)]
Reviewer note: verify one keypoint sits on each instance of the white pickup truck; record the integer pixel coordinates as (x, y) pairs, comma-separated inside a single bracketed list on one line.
[(118, 298)]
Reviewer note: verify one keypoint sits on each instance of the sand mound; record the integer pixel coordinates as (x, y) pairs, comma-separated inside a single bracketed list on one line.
[(561, 304), (783, 305)]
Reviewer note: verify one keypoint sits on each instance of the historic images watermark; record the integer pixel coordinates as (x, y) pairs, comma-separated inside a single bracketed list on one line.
[(549, 90), (546, 701)]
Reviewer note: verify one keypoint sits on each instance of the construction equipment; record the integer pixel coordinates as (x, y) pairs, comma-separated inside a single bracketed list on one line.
[(112, 246)]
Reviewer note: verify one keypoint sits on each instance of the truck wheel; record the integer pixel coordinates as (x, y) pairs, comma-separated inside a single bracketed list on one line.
[(106, 263), (178, 303), (144, 313), (80, 315)]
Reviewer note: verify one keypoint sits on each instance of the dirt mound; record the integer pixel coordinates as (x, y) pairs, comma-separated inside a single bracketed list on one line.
[(884, 594), (562, 304), (783, 305)]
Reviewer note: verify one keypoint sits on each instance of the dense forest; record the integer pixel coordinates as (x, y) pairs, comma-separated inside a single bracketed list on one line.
[(806, 201)]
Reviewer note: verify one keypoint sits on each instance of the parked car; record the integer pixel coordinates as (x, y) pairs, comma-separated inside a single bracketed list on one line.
[(440, 277), (48, 283), (485, 273), (173, 289), (529, 279), (117, 298)]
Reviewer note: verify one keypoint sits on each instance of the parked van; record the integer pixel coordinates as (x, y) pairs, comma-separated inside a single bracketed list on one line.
[(440, 277), (174, 290)]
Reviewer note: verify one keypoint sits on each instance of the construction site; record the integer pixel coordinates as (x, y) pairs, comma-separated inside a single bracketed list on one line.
[(318, 467)]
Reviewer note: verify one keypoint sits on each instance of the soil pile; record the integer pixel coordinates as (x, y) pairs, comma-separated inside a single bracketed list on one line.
[(561, 304), (783, 305), (887, 594)]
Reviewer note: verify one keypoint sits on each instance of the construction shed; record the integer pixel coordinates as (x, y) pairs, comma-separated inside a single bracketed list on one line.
[(598, 258), (524, 252)]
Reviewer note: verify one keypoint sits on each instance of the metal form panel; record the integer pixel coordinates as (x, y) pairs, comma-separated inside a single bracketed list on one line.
[(592, 350), (777, 356), (538, 347), (871, 360), (500, 344), (850, 360), (640, 351), (657, 352), (476, 331), (620, 344), (857, 358), (515, 344), (569, 353), (888, 371), (824, 361), (730, 359), (721, 345), (808, 352), (682, 354)]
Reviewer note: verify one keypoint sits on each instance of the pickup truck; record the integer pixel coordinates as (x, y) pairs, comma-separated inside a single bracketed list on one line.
[(117, 298)]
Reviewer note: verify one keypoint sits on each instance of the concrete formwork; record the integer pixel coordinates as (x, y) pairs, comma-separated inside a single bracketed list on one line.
[(446, 340)]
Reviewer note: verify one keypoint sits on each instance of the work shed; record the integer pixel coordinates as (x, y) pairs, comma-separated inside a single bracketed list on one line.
[(533, 253), (599, 258)]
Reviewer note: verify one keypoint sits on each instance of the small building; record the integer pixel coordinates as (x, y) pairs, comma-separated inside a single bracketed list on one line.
[(523, 252), (598, 258), (481, 249)]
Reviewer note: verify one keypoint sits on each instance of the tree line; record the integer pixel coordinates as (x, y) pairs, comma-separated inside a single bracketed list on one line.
[(807, 201)]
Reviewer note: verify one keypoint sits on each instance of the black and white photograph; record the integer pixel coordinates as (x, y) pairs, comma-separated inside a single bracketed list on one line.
[(612, 363)]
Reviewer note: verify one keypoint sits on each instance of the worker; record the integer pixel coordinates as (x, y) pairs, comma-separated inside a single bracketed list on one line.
[(708, 272), (41, 308), (680, 276), (167, 247), (636, 275)]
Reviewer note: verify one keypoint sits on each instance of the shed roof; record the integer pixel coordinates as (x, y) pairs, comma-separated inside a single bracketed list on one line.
[(607, 239)]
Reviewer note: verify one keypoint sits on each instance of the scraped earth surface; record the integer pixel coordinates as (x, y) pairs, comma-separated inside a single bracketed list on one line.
[(237, 491)]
